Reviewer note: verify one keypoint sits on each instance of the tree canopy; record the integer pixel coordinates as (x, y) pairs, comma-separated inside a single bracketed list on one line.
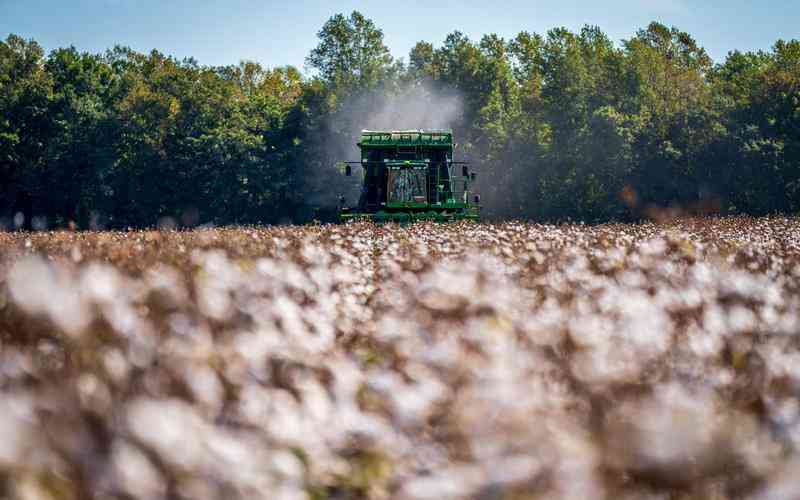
[(560, 125)]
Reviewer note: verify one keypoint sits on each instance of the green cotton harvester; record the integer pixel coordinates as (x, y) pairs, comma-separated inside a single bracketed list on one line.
[(410, 175)]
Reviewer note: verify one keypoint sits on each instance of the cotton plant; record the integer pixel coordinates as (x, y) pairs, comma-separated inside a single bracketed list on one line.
[(425, 361)]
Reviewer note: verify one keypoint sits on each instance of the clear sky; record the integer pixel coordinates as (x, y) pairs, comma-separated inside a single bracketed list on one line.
[(279, 33)]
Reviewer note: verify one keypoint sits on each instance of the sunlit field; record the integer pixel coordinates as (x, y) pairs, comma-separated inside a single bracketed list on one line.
[(502, 361)]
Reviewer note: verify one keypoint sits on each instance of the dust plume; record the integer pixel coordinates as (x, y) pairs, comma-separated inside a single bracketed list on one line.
[(412, 106)]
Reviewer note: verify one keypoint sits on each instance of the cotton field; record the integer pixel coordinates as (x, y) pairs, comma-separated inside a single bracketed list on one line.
[(473, 361)]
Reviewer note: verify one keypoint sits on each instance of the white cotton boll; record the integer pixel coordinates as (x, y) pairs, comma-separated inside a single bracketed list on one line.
[(313, 253), (19, 433), (704, 344), (321, 278), (672, 429), (115, 296), (116, 365), (546, 325), (253, 404), (607, 364), (14, 364), (142, 350), (590, 331), (172, 428), (252, 350), (690, 298), (653, 247), (643, 322), (741, 320), (289, 491), (125, 319), (413, 403), (94, 394), (445, 353), (314, 400), (214, 301), (576, 474), (781, 362), (214, 284), (75, 254), (743, 285), (347, 379), (515, 469), (134, 474), (453, 482), (285, 421), (102, 284), (290, 315), (785, 411), (168, 282), (41, 289), (286, 464), (322, 327), (293, 276), (714, 320), (230, 453), (204, 385), (774, 294)]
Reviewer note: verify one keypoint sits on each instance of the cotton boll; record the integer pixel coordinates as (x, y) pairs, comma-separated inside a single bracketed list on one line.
[(40, 289), (134, 474), (19, 433), (164, 426)]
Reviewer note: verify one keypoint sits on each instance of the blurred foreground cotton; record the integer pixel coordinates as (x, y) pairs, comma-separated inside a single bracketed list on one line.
[(428, 361)]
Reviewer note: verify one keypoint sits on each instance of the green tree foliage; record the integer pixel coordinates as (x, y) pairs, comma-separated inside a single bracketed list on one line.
[(351, 53), (25, 122), (565, 125), (129, 139)]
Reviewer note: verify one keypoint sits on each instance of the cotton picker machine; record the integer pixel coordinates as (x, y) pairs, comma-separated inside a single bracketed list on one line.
[(410, 175)]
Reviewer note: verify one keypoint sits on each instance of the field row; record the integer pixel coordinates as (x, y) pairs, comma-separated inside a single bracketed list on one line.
[(429, 361)]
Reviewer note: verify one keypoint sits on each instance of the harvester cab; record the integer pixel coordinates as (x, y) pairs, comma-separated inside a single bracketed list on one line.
[(410, 175)]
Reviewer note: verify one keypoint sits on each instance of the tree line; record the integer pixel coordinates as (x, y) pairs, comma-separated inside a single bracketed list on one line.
[(561, 126)]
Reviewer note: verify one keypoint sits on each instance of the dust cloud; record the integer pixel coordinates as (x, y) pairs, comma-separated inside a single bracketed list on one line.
[(412, 106)]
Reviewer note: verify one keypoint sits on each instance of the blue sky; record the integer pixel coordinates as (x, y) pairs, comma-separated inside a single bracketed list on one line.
[(278, 33)]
